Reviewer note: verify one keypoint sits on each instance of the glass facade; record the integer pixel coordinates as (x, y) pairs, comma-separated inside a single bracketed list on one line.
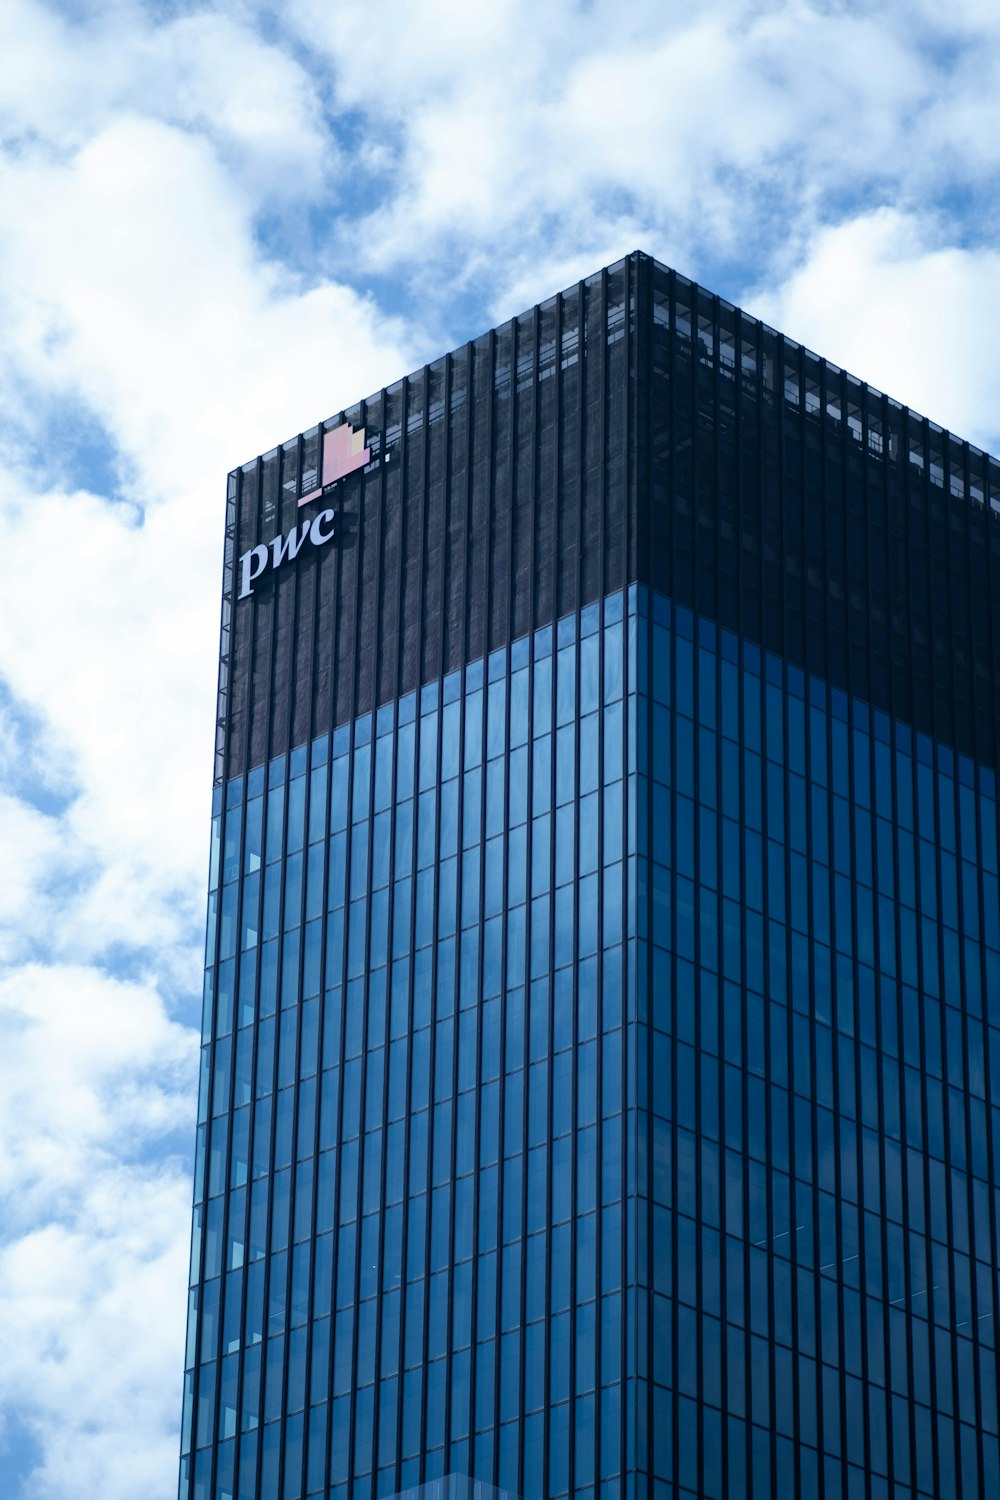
[(601, 1070), (413, 1211), (819, 997)]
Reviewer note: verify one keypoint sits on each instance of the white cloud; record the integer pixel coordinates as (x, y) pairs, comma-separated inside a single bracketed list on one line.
[(91, 1068), (521, 137), (890, 299), (92, 1324), (63, 80), (29, 846), (93, 1075)]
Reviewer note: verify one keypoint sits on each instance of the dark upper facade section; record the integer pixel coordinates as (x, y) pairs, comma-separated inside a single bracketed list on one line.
[(633, 428), (496, 498)]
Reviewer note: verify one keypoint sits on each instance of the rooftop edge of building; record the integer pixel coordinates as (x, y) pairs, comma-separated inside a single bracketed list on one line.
[(633, 428), (718, 303)]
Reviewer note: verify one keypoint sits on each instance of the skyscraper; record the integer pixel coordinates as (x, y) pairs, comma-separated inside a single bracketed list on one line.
[(601, 1069)]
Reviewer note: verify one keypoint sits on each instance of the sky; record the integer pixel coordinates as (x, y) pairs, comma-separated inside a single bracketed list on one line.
[(219, 224)]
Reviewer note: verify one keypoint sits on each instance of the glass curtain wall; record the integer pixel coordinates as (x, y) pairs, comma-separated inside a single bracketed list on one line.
[(411, 1240), (734, 1237), (819, 927)]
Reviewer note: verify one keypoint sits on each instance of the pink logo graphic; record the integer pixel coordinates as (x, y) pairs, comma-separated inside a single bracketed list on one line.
[(343, 451)]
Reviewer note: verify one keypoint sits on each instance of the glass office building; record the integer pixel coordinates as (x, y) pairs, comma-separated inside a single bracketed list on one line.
[(601, 1072)]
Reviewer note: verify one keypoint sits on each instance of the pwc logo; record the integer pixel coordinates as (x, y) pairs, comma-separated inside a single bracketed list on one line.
[(344, 450)]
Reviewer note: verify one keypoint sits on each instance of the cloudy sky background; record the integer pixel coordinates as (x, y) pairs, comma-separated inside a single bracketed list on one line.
[(219, 223)]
